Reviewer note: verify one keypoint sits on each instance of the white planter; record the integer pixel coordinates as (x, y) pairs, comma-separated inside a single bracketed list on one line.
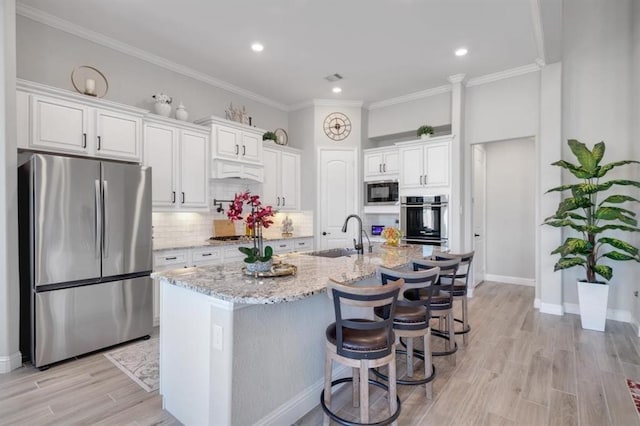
[(593, 299), (162, 109), (425, 136)]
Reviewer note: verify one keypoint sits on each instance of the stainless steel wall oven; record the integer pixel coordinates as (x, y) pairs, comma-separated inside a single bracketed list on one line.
[(424, 220)]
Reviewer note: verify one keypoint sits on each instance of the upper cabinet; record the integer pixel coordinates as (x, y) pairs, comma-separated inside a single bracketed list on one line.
[(178, 154), (55, 120), (281, 186), (236, 149), (425, 164), (381, 164)]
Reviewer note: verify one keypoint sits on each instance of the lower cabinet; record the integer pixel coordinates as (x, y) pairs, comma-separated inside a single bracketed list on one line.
[(163, 261)]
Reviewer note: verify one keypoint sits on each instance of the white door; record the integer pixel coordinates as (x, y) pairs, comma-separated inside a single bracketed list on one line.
[(159, 154), (479, 213), (227, 142), (373, 164), (59, 125), (411, 167), (193, 169), (272, 169), (289, 181), (337, 197), (437, 164), (391, 163), (251, 147), (118, 135)]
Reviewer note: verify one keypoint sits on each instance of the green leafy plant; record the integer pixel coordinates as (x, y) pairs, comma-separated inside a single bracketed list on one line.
[(583, 213), (269, 136), (253, 254), (425, 130)]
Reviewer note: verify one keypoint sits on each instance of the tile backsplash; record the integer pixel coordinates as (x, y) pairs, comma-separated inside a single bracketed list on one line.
[(187, 227)]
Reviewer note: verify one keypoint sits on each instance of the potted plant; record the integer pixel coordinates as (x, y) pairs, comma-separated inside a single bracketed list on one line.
[(269, 136), (162, 104), (259, 258), (583, 212), (425, 132)]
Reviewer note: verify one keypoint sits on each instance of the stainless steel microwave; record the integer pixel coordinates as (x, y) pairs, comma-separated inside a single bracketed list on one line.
[(381, 193)]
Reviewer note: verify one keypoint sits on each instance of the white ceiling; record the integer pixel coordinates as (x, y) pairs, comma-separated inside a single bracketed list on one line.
[(383, 48)]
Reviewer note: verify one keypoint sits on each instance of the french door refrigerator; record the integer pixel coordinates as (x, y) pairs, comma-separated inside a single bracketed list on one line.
[(85, 255)]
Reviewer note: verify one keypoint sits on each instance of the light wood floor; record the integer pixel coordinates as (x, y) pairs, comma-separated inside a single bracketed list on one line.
[(520, 368)]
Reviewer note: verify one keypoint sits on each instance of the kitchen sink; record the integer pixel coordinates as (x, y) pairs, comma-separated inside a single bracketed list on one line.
[(333, 253)]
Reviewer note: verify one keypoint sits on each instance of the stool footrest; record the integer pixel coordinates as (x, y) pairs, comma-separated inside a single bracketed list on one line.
[(417, 354), (436, 333), (346, 422), (464, 330)]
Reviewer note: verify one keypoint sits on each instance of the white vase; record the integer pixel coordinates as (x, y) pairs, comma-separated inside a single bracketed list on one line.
[(181, 113), (425, 136), (162, 109), (593, 299)]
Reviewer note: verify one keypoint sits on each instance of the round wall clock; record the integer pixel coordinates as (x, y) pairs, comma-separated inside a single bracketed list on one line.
[(337, 126)]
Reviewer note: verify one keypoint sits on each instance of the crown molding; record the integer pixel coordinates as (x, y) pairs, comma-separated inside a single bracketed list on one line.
[(538, 33), (101, 39), (501, 75), (410, 97), (457, 78)]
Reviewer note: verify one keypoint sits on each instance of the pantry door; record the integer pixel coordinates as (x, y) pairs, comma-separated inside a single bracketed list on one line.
[(337, 196)]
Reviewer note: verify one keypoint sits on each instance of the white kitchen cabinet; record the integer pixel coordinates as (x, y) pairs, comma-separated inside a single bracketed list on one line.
[(223, 169), (179, 157), (281, 246), (303, 244), (164, 261), (381, 164), (425, 164), (55, 120), (206, 256), (234, 141), (281, 186)]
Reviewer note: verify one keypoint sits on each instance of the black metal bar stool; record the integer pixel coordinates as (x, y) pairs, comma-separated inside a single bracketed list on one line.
[(441, 305), (361, 344), (460, 288), (411, 319)]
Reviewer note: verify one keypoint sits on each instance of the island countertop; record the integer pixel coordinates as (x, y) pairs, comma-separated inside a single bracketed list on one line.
[(227, 281)]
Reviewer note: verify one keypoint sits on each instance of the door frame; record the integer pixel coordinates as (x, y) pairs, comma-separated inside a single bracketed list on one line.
[(484, 213), (357, 174)]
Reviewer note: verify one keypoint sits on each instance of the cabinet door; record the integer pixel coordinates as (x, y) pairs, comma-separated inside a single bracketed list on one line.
[(118, 135), (373, 164), (227, 143), (159, 143), (437, 164), (59, 125), (391, 163), (193, 169), (289, 181), (22, 119), (303, 244), (272, 169), (281, 246), (411, 167), (251, 147)]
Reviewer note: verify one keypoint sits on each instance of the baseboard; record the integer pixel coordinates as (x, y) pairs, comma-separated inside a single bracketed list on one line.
[(10, 363), (510, 280), (292, 410), (551, 308), (612, 314)]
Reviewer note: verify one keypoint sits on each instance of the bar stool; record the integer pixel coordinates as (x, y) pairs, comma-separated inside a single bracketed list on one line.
[(460, 288), (362, 344), (411, 319), (441, 305)]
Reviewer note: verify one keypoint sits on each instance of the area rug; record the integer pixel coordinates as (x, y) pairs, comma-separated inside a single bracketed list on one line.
[(634, 388), (140, 362)]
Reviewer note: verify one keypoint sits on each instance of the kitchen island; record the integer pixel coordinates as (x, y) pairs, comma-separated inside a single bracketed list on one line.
[(241, 350)]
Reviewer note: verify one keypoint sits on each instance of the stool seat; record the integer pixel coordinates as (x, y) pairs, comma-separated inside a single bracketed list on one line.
[(359, 340), (406, 314)]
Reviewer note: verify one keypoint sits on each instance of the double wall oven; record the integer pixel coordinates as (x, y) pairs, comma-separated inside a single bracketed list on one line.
[(423, 220)]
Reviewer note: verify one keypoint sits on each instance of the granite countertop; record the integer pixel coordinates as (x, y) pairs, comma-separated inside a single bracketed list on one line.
[(159, 246), (227, 282)]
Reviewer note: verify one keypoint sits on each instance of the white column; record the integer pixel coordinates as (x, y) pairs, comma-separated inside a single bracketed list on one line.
[(10, 357), (549, 149), (459, 167)]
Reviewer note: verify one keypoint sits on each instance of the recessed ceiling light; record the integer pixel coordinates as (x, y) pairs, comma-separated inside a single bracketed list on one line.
[(336, 90), (461, 51), (257, 47)]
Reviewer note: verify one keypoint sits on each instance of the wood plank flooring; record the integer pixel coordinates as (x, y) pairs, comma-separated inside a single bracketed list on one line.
[(520, 368)]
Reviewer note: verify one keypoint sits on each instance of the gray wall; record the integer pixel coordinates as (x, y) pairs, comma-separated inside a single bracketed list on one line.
[(597, 106), (47, 55), (510, 204)]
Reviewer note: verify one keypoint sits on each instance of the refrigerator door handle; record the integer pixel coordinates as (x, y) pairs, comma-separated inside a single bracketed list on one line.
[(98, 218), (105, 209)]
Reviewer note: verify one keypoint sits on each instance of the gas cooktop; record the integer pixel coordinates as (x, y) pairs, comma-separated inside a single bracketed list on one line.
[(230, 238)]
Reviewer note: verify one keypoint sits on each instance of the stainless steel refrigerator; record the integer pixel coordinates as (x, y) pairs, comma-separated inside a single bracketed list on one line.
[(85, 255)]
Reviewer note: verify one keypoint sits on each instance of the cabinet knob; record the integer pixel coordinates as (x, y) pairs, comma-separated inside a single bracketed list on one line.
[(326, 233)]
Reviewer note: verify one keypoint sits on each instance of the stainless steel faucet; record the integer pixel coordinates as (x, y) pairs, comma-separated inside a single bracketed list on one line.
[(357, 244)]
